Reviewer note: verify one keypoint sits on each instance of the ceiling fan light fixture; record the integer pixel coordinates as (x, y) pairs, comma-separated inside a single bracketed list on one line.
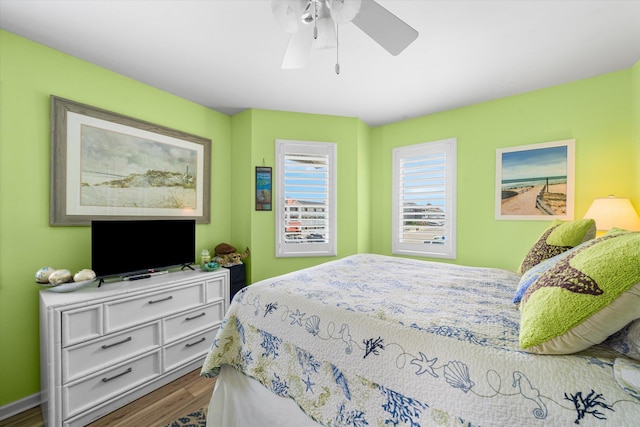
[(307, 18), (344, 11), (322, 18), (287, 13)]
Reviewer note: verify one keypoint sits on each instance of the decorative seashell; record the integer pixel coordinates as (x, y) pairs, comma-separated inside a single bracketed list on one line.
[(457, 375), (210, 266), (42, 275), (60, 276), (312, 325), (83, 275)]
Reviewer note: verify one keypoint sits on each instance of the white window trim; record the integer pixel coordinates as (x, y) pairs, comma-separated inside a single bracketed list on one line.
[(448, 249), (284, 249)]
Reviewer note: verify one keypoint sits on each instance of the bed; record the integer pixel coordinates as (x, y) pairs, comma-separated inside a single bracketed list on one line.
[(373, 340)]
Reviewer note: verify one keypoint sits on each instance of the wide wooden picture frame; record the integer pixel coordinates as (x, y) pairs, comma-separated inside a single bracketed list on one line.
[(106, 165), (536, 182)]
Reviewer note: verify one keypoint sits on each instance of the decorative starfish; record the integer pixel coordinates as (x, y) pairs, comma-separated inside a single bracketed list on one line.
[(556, 276), (309, 384), (425, 364), (542, 250), (297, 317)]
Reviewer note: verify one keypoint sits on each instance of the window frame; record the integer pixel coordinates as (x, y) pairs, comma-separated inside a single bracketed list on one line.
[(284, 148), (446, 250)]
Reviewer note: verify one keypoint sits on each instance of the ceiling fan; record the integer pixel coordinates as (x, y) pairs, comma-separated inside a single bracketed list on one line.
[(314, 24)]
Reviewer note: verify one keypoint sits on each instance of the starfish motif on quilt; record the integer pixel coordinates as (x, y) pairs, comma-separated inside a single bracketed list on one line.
[(297, 317), (309, 384), (425, 364)]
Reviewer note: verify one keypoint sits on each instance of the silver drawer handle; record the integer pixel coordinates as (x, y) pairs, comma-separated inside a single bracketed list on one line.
[(197, 342), (106, 346), (106, 380), (195, 317), (160, 300)]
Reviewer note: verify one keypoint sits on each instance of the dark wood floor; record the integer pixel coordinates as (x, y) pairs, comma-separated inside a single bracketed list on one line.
[(158, 408)]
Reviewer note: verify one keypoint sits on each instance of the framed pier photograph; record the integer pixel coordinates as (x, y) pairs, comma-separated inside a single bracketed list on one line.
[(536, 182)]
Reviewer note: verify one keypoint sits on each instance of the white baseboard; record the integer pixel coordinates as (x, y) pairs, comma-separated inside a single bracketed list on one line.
[(14, 408)]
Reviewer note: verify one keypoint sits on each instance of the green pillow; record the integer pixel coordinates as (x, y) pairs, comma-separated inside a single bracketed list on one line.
[(559, 237), (585, 297), (531, 275)]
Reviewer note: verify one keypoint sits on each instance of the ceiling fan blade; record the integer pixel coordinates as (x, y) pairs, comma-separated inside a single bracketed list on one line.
[(287, 13), (298, 48), (343, 11), (384, 27)]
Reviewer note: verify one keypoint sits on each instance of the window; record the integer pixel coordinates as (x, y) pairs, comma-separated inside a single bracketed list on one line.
[(424, 199), (305, 198)]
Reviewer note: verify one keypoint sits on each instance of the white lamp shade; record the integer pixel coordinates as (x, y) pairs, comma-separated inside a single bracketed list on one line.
[(613, 212)]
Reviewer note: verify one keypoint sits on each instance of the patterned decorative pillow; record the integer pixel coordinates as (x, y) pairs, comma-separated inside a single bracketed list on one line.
[(585, 297), (627, 340), (559, 237), (531, 275)]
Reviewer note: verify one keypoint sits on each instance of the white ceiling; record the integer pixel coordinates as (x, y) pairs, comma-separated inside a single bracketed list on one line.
[(226, 55)]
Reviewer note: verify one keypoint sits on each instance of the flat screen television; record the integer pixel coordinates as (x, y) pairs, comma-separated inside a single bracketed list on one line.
[(129, 248)]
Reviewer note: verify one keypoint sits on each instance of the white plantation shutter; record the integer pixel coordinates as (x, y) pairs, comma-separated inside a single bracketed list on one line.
[(424, 196), (305, 198)]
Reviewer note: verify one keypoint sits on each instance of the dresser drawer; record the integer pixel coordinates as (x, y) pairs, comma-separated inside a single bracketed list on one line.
[(216, 289), (84, 394), (129, 312), (81, 324), (182, 351), (186, 324), (83, 359)]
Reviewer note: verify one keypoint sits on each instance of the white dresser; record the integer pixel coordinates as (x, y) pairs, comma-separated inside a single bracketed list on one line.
[(103, 347)]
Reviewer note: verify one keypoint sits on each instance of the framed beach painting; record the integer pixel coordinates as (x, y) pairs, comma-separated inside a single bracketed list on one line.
[(536, 182), (106, 165)]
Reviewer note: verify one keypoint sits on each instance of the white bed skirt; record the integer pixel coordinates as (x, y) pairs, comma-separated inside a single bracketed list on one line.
[(239, 401)]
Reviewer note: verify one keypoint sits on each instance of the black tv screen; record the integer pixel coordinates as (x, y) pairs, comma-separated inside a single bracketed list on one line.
[(130, 247)]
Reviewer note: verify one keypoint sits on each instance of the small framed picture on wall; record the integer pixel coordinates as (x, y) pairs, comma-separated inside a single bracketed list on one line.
[(263, 188)]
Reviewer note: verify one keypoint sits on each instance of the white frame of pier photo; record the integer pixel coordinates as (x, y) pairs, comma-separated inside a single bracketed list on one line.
[(523, 168)]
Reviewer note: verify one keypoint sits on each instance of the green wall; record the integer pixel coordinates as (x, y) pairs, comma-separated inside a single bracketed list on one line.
[(636, 135), (596, 112), (239, 182), (257, 148), (29, 74), (600, 113)]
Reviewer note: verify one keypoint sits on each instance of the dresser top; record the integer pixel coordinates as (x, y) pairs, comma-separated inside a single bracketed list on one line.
[(119, 288)]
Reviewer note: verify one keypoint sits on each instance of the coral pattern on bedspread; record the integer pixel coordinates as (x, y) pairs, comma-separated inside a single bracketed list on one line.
[(372, 340)]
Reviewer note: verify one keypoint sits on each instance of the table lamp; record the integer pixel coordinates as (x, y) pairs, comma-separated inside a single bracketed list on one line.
[(612, 212)]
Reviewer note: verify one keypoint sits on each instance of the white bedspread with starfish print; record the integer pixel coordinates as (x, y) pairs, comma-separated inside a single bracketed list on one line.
[(372, 340)]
